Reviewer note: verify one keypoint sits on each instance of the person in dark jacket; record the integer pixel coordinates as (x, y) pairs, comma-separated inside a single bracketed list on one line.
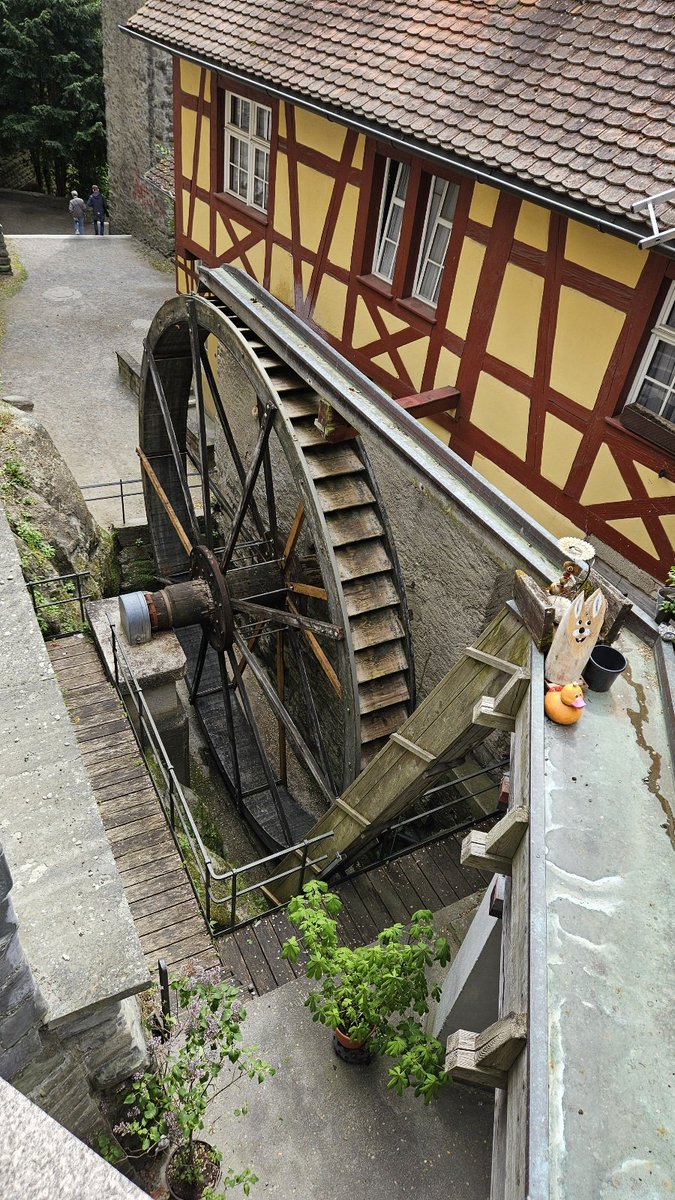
[(97, 204)]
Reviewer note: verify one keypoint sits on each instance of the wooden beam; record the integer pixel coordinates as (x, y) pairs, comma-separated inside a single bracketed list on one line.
[(442, 724), (414, 749), (166, 503), (485, 713), (505, 837), (474, 855), (427, 404), (487, 1057), (536, 608)]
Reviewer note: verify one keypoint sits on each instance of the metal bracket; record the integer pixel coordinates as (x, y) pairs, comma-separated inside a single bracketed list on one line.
[(659, 235)]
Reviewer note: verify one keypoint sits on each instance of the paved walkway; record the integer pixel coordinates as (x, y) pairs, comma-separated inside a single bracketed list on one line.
[(84, 298)]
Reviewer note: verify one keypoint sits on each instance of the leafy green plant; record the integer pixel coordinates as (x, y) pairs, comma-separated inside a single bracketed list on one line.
[(14, 473), (666, 603), (375, 994), (166, 1104)]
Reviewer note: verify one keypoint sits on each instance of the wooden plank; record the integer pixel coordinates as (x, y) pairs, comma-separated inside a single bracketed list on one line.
[(164, 921), (256, 963), (460, 1062), (329, 460), (423, 882), (455, 882), (271, 948), (123, 815), (381, 693), (169, 896), (367, 929), (368, 558), (138, 833), (405, 888), (367, 595), (536, 607), (381, 724), (234, 963), (128, 859), (154, 879), (500, 1044), (374, 628), (303, 405), (372, 902), (388, 895), (186, 929), (376, 661), (343, 491), (187, 950), (355, 525), (505, 837)]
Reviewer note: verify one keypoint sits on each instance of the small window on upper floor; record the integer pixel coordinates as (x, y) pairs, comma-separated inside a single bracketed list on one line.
[(654, 385), (394, 192), (435, 239), (248, 130)]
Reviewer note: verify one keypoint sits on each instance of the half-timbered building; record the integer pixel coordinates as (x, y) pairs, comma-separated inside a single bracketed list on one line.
[(445, 190)]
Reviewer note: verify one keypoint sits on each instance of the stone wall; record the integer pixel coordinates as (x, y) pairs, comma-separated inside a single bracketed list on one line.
[(139, 120)]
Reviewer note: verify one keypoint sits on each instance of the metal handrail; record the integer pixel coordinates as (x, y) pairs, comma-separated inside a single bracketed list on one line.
[(120, 494), (220, 888), (79, 598)]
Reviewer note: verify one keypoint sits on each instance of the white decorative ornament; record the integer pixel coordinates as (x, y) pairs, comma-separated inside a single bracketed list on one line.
[(574, 548)]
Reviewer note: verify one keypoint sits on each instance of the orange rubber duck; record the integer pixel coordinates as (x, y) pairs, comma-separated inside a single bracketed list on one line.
[(565, 705)]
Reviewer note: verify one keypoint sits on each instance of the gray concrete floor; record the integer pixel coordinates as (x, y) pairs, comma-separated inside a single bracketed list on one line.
[(84, 298), (25, 212), (323, 1130)]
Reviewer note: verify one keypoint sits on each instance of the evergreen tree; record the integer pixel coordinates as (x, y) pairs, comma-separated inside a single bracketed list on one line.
[(51, 89)]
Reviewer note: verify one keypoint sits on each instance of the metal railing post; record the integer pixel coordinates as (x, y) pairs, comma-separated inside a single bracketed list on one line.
[(303, 865), (233, 900), (172, 812), (124, 518), (207, 892)]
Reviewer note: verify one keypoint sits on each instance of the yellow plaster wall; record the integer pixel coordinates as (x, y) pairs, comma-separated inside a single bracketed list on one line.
[(256, 257), (359, 152), (587, 331), (561, 442), (365, 329), (342, 242), (533, 225), (414, 356), (282, 198), (464, 291), (515, 328), (201, 224), (668, 523), (655, 486), (281, 276), (605, 483), (447, 369), (385, 362), (314, 196), (329, 310), (188, 131), (186, 209), (555, 522), (437, 430), (483, 204), (502, 413), (223, 240), (635, 530), (325, 136), (601, 252), (190, 75), (204, 159)]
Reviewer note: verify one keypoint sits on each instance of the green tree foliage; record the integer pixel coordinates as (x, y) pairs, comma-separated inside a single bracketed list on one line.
[(51, 89)]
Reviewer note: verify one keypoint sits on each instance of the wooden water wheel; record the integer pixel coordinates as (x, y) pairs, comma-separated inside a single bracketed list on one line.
[(307, 603)]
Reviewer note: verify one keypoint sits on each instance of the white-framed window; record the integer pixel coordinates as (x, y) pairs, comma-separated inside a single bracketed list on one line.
[(248, 130), (435, 239), (396, 176), (654, 384)]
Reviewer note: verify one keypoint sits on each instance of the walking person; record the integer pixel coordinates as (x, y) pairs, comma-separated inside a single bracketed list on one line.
[(97, 204), (78, 211)]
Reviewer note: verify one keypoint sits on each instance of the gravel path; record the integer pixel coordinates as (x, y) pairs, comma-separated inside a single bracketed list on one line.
[(84, 298)]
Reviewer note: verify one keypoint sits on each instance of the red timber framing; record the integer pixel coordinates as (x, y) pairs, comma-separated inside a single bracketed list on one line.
[(248, 229)]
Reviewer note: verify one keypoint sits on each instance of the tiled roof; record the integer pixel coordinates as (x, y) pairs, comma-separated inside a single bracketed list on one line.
[(576, 98), (161, 175)]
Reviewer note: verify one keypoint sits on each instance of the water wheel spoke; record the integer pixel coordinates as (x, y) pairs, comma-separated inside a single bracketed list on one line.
[(312, 714), (258, 454), (165, 502), (293, 619), (282, 714), (199, 667), (294, 534), (201, 414), (307, 589), (229, 718), (173, 443), (246, 704), (320, 656), (225, 426)]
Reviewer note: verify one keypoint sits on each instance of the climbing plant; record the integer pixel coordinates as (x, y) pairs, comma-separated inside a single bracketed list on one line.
[(51, 89)]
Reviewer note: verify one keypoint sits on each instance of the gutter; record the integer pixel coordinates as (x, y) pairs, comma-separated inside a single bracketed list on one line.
[(579, 212)]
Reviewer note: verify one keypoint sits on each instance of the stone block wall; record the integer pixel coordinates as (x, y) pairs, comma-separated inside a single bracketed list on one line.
[(22, 1007), (139, 122)]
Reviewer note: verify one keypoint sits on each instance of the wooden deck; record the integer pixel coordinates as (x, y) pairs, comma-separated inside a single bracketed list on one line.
[(429, 878), (163, 905), (164, 908)]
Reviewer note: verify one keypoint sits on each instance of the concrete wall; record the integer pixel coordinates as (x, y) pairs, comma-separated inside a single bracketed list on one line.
[(139, 120)]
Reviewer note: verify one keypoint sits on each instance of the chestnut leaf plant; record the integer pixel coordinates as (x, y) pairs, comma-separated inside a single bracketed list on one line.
[(376, 994)]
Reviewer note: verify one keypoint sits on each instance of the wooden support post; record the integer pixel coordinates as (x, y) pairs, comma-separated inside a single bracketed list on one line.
[(474, 855), (485, 713), (487, 1057), (505, 837), (537, 609)]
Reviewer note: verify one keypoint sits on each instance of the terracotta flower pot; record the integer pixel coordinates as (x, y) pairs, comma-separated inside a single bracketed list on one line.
[(351, 1050), (206, 1164)]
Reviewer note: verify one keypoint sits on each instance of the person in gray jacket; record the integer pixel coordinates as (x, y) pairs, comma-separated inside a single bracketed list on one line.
[(97, 204), (78, 211)]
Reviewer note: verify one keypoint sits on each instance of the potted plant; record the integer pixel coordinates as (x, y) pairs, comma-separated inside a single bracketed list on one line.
[(665, 608), (165, 1106), (374, 998)]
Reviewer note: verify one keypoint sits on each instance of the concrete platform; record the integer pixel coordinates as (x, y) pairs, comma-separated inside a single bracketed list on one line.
[(323, 1130)]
